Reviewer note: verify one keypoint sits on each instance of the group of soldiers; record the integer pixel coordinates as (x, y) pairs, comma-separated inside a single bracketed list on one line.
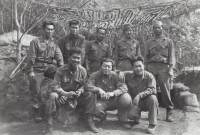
[(98, 78)]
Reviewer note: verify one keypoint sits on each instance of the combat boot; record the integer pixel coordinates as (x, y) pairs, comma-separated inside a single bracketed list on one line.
[(169, 117), (90, 123), (151, 129), (49, 126)]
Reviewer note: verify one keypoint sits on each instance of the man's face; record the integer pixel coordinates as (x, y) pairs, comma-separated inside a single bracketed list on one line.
[(128, 32), (49, 31), (106, 67), (138, 67), (75, 59), (74, 29), (101, 34), (157, 30)]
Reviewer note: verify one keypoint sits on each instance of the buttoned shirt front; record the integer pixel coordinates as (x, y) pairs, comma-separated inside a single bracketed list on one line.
[(43, 52), (143, 85), (161, 51), (127, 50), (95, 51), (108, 83), (66, 80), (68, 42)]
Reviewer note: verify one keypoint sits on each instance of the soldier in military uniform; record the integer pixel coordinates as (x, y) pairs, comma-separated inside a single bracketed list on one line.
[(111, 93), (142, 88), (96, 50), (42, 52), (160, 60), (73, 39), (126, 49), (69, 92)]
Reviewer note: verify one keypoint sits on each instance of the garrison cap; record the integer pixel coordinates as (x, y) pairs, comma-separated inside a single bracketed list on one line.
[(127, 26), (157, 23), (75, 22)]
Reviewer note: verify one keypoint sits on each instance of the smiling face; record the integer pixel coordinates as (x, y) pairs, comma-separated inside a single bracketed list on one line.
[(74, 29), (138, 67), (128, 32), (106, 67), (49, 31), (75, 59)]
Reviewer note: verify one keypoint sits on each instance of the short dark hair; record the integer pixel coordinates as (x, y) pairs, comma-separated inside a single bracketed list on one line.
[(137, 58), (75, 50), (45, 23), (107, 60), (75, 22), (101, 28)]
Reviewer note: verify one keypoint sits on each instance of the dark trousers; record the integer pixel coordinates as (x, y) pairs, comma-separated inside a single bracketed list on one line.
[(36, 81), (149, 104), (86, 100), (109, 105), (160, 71)]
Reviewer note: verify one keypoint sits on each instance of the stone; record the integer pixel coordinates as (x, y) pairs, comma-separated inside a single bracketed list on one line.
[(191, 109), (191, 100)]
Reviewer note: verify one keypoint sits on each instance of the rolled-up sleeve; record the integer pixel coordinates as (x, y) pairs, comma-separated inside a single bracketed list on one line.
[(151, 88), (57, 81)]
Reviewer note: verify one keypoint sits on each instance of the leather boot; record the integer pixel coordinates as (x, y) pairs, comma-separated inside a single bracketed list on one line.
[(169, 117), (151, 129), (49, 125), (90, 123)]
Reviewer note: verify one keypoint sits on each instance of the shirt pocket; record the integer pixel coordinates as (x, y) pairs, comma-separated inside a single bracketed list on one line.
[(164, 49)]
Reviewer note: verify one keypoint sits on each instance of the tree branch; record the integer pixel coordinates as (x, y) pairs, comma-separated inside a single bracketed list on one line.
[(15, 13), (21, 17)]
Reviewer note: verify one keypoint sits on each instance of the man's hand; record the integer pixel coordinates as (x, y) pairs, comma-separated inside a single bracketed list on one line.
[(78, 93), (31, 74), (62, 100), (70, 94), (171, 73), (102, 93), (109, 95), (136, 100)]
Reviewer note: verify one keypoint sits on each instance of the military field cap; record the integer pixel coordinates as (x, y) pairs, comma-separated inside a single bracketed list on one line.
[(75, 22), (127, 26), (157, 23)]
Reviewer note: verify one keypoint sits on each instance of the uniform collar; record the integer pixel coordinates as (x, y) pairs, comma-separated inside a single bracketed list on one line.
[(41, 38), (103, 75), (162, 37), (134, 75), (68, 69)]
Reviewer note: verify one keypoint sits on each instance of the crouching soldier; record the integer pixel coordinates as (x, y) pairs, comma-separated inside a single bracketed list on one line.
[(111, 93), (68, 91), (142, 88)]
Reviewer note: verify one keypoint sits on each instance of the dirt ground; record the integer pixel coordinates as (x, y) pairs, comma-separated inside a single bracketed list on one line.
[(16, 117)]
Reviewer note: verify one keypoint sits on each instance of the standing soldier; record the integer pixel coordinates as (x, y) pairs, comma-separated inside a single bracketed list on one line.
[(41, 54), (160, 61), (126, 49), (96, 50), (73, 39), (111, 93), (68, 91)]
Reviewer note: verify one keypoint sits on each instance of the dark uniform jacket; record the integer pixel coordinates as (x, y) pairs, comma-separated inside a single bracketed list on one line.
[(41, 54), (144, 85), (65, 80), (68, 42), (162, 52), (110, 83)]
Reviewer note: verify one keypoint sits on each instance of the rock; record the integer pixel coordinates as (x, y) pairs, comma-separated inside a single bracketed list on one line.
[(191, 109), (191, 100), (180, 87), (179, 98)]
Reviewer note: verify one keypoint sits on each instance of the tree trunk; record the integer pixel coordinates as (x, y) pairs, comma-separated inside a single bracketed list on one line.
[(18, 48)]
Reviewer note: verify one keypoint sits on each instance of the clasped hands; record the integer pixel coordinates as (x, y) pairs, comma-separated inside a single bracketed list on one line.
[(105, 95), (69, 95)]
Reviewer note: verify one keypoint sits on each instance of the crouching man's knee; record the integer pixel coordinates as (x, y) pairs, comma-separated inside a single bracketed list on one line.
[(53, 96), (152, 99), (124, 101)]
